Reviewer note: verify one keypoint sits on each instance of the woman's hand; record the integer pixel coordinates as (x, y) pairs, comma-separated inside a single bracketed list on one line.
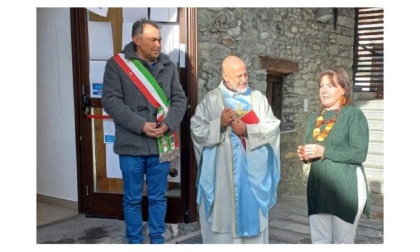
[(313, 151), (301, 153)]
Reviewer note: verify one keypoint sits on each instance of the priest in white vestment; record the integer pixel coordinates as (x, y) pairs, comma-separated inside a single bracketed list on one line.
[(236, 141)]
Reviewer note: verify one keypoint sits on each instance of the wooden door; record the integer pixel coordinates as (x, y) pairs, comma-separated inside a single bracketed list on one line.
[(100, 193)]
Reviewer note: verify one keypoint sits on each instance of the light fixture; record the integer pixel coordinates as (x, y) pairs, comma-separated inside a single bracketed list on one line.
[(323, 15)]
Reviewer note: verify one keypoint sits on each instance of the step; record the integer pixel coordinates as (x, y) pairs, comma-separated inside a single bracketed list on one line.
[(375, 125), (376, 148), (370, 105), (376, 115), (374, 160), (376, 136)]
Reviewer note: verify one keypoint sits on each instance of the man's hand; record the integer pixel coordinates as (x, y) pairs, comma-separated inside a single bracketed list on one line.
[(238, 127), (155, 130), (227, 116)]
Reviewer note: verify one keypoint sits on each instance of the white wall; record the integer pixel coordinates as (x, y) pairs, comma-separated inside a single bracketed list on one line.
[(56, 147)]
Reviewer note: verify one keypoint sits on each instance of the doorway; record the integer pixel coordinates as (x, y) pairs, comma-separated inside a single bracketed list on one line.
[(99, 184)]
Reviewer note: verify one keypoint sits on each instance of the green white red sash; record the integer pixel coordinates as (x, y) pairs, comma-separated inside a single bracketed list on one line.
[(146, 83)]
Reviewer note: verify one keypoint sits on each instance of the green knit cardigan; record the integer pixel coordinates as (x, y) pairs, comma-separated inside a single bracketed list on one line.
[(332, 182)]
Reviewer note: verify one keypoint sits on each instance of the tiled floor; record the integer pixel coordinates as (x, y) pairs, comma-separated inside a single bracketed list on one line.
[(48, 213)]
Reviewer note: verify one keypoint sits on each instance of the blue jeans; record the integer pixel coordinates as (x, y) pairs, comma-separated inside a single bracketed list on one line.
[(133, 169)]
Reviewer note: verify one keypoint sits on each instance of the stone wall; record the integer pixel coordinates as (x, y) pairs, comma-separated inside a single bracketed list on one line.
[(284, 33)]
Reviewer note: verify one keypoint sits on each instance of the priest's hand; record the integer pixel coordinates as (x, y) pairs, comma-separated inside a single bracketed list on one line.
[(238, 127), (227, 116)]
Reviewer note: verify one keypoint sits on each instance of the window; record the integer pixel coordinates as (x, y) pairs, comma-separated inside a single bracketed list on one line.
[(368, 67), (275, 93)]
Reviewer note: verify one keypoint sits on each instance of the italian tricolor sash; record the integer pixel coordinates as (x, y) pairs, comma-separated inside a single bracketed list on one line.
[(146, 83)]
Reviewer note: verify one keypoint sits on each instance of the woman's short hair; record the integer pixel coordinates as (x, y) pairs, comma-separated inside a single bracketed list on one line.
[(337, 76)]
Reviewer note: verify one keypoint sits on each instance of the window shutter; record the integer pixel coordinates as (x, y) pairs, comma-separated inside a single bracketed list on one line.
[(368, 68)]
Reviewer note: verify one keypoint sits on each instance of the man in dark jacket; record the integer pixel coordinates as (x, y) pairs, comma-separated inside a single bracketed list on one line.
[(143, 96)]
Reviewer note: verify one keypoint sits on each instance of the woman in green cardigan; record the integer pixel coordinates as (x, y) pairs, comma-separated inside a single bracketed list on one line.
[(336, 145)]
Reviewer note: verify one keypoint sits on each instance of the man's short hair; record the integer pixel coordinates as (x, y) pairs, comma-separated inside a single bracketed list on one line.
[(138, 26)]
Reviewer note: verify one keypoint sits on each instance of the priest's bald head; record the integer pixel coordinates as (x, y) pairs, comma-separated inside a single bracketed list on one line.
[(234, 73)]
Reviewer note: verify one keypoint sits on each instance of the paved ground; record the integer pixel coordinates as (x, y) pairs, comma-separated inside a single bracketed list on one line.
[(289, 223)]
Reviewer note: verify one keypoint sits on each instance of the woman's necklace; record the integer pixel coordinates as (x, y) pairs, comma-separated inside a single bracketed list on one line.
[(318, 136)]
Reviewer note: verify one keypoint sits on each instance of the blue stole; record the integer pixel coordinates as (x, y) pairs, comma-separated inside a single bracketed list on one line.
[(246, 205)]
